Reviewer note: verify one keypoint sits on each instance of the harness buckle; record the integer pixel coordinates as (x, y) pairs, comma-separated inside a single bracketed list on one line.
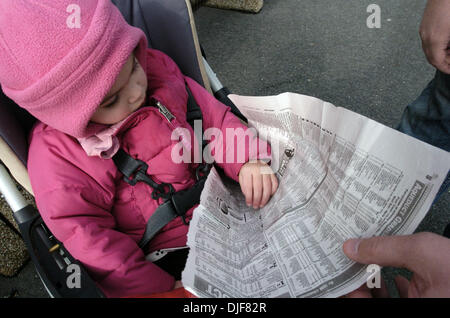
[(181, 202), (139, 169), (139, 174), (160, 191)]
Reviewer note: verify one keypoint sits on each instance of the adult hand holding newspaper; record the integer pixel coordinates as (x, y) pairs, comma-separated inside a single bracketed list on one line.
[(340, 176), (426, 255)]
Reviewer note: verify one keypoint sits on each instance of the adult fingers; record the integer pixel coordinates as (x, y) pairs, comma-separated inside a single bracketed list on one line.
[(402, 286), (437, 54), (437, 57), (381, 292)]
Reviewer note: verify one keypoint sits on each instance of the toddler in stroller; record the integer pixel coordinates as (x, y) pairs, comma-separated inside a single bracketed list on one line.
[(98, 91)]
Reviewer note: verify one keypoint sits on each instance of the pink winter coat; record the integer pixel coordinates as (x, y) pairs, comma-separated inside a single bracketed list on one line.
[(96, 215)]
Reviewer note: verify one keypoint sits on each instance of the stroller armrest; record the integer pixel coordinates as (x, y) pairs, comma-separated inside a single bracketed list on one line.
[(62, 275)]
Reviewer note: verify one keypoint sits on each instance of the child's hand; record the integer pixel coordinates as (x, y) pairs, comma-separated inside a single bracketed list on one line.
[(258, 183)]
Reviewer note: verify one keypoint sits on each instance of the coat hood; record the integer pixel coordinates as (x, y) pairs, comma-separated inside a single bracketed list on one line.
[(59, 58)]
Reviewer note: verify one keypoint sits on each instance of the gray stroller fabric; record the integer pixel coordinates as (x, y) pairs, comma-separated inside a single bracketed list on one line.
[(167, 27)]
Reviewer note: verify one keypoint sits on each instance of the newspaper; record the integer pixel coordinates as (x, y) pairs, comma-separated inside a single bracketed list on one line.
[(341, 175)]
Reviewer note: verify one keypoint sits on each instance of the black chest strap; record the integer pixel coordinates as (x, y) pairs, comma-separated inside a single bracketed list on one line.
[(176, 203)]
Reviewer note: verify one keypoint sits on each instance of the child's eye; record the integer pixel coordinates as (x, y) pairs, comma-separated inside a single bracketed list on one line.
[(111, 103), (135, 64)]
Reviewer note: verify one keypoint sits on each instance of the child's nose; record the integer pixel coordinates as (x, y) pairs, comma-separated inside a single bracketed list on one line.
[(134, 99), (135, 95)]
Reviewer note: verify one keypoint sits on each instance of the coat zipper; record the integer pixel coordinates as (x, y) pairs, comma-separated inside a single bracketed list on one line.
[(165, 112), (161, 108)]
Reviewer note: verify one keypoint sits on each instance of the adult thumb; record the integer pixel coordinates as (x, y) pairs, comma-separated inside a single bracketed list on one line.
[(405, 251)]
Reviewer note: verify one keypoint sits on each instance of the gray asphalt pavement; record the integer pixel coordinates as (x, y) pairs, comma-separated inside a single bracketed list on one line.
[(321, 48)]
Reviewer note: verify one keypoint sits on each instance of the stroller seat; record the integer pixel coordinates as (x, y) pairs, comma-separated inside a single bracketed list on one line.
[(169, 27)]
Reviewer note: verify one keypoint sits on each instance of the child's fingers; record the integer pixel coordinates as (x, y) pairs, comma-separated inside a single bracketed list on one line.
[(245, 180), (267, 189), (274, 180), (257, 190)]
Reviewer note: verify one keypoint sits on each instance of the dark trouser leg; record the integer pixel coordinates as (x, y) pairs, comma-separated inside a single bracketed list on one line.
[(428, 117)]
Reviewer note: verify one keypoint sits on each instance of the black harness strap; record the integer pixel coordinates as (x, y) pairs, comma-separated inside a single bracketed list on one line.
[(193, 110), (135, 170), (176, 203)]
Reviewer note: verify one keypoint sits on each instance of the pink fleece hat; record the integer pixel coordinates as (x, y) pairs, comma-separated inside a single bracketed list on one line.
[(59, 58)]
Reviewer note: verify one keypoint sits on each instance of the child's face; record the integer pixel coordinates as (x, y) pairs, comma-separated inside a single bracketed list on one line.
[(125, 96)]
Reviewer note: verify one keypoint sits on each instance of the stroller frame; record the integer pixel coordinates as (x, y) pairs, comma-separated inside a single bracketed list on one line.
[(172, 31)]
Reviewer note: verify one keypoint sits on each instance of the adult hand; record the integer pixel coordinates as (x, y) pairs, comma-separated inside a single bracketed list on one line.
[(426, 255), (435, 34)]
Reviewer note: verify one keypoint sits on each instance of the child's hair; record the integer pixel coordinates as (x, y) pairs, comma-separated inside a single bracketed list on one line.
[(59, 59)]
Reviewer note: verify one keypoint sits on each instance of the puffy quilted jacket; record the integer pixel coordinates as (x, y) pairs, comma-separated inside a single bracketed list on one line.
[(100, 218)]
